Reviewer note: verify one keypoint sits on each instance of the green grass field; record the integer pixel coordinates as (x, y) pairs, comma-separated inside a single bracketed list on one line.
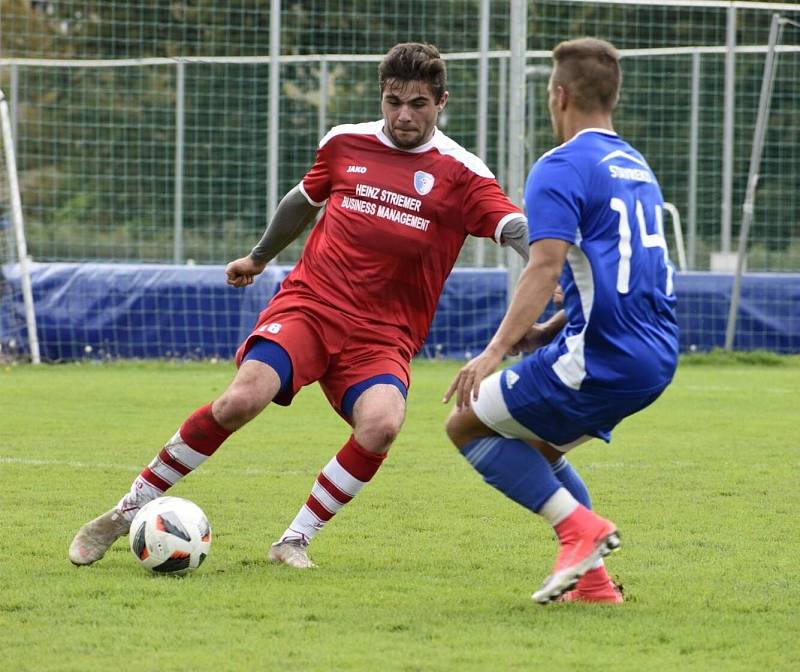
[(429, 568)]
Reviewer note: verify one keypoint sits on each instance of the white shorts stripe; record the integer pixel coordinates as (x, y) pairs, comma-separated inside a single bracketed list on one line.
[(342, 478), (324, 497), (185, 455)]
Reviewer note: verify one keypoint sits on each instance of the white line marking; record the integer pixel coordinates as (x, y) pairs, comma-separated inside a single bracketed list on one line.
[(248, 471)]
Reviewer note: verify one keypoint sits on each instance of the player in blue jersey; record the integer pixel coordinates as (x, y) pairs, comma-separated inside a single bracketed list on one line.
[(595, 214)]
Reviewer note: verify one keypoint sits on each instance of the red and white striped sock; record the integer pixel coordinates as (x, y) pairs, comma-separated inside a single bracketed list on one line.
[(193, 444), (341, 480)]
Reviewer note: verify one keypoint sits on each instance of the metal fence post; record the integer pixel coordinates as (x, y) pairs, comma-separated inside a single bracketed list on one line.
[(274, 105), (14, 102), (516, 123), (322, 121), (764, 100), (502, 135), (694, 135), (728, 131), (180, 96), (483, 107)]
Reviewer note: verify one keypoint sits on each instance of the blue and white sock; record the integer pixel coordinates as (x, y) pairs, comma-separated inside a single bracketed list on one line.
[(572, 481), (521, 473)]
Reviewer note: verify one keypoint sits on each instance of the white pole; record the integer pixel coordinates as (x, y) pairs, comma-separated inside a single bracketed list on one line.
[(180, 87), (322, 120), (483, 79), (483, 107), (767, 85), (694, 136), (728, 131), (14, 102), (516, 123), (502, 135), (274, 104), (19, 230)]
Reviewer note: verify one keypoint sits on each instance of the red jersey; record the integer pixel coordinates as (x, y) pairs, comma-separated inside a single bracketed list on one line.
[(394, 223)]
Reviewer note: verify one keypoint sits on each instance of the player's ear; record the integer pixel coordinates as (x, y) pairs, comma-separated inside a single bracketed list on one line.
[(442, 101), (563, 97)]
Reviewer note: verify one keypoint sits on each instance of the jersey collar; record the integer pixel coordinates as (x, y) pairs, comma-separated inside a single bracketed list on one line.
[(386, 140), (604, 131)]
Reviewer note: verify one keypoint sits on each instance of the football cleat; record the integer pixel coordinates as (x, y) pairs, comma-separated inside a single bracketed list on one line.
[(585, 537), (292, 552), (602, 591), (96, 537)]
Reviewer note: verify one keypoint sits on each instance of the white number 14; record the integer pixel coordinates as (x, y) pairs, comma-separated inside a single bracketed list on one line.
[(648, 240)]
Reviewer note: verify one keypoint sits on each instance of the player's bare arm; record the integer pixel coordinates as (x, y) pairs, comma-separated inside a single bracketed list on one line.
[(292, 216), (536, 285)]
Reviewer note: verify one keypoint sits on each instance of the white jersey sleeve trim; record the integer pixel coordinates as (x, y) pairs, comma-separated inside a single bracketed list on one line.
[(511, 216), (365, 128), (449, 147), (308, 198)]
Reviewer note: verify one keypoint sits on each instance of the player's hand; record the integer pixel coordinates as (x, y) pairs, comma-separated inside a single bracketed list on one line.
[(558, 297), (467, 383), (534, 339), (242, 272)]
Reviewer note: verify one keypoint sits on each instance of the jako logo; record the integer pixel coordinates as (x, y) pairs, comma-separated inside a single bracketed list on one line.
[(272, 327), (356, 169)]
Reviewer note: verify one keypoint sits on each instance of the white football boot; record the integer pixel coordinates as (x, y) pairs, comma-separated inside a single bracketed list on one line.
[(292, 552), (96, 537)]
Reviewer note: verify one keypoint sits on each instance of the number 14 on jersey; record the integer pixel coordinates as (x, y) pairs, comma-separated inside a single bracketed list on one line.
[(646, 239)]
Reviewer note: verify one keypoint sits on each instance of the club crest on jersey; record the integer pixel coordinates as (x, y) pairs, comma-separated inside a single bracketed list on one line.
[(423, 182)]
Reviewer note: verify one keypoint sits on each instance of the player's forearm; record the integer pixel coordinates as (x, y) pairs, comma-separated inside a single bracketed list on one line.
[(531, 296), (291, 217)]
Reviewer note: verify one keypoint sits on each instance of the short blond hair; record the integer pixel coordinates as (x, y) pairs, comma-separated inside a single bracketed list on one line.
[(589, 70)]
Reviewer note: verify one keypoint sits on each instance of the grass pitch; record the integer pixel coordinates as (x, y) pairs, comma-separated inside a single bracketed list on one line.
[(428, 569)]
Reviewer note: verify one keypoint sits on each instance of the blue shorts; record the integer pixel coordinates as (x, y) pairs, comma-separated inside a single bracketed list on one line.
[(524, 402)]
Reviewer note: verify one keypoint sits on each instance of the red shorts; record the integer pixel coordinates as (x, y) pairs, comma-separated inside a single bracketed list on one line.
[(328, 346)]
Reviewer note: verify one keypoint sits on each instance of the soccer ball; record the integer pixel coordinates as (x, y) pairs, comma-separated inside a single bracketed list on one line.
[(170, 535)]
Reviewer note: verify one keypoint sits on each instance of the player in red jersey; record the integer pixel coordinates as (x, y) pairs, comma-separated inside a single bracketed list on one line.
[(400, 198)]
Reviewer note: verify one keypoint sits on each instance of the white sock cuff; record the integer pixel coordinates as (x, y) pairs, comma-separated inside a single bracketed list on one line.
[(560, 505)]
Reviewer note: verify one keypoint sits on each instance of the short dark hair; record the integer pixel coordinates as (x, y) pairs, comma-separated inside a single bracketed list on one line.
[(414, 62), (589, 69)]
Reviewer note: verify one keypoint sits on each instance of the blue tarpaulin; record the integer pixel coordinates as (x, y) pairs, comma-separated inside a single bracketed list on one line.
[(146, 310)]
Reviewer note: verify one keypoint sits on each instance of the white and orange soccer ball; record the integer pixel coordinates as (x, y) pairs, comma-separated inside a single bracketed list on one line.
[(170, 535)]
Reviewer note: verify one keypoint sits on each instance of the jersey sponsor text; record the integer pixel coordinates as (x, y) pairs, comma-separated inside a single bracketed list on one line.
[(620, 173), (390, 197)]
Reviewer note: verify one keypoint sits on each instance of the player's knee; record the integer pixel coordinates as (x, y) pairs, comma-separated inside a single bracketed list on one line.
[(462, 427), (379, 434), (452, 427), (238, 406)]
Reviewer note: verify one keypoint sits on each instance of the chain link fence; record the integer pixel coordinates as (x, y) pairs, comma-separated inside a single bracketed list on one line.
[(166, 132)]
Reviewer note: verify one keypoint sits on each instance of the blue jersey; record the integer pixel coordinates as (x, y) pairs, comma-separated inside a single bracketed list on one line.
[(597, 192)]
